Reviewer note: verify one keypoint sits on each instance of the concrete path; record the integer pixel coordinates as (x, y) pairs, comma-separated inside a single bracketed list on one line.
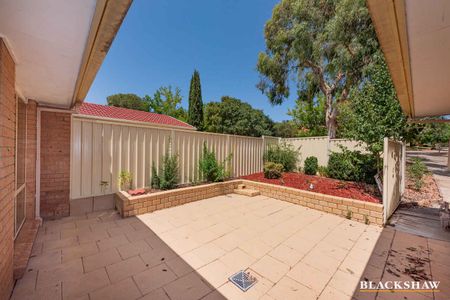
[(436, 161)]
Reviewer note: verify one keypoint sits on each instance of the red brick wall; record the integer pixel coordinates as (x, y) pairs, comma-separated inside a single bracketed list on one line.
[(31, 159), (7, 152), (55, 164)]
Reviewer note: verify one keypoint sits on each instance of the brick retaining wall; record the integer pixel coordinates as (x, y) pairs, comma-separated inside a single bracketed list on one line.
[(357, 210)]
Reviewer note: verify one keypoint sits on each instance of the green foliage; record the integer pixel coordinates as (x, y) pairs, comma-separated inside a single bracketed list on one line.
[(167, 102), (156, 181), (130, 101), (374, 111), (352, 166), (234, 116), (323, 171), (272, 170), (169, 176), (210, 169), (311, 165), (416, 170), (433, 134), (125, 180), (283, 154), (309, 116), (323, 45), (195, 112), (285, 129)]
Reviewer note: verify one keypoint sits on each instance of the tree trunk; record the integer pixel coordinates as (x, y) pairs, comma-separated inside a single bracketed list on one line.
[(330, 116)]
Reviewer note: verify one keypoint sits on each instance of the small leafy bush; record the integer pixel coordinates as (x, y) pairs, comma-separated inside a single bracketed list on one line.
[(284, 154), (125, 180), (210, 169), (311, 165), (416, 170), (155, 182), (323, 171), (352, 166), (168, 176), (272, 170)]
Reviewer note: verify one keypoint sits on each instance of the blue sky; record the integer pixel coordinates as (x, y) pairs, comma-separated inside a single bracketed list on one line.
[(161, 42)]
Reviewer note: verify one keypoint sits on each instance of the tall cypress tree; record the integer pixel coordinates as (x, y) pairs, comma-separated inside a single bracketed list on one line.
[(195, 113)]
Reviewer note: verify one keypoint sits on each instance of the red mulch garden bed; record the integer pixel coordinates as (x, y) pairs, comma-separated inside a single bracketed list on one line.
[(328, 186)]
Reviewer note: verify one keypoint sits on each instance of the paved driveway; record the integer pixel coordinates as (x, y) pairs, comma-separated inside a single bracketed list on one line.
[(188, 252)]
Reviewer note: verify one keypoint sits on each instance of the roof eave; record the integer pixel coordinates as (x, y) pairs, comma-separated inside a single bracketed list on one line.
[(106, 22), (389, 19)]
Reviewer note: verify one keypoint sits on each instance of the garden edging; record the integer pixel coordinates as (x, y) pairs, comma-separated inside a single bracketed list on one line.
[(361, 211)]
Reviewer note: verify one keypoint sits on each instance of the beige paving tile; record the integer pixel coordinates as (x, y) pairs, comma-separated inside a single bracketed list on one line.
[(159, 294), (125, 268), (237, 260), (309, 276), (270, 268), (216, 273), (344, 282), (78, 286), (255, 247), (208, 252), (323, 263), (287, 289), (214, 295), (55, 273), (188, 287), (101, 260), (53, 292), (154, 278), (157, 256), (179, 266), (59, 244), (79, 251), (112, 242), (93, 236), (45, 260), (133, 249), (125, 289), (286, 255), (330, 293)]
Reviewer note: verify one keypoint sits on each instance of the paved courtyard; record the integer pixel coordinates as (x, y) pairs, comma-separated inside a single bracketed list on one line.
[(189, 251)]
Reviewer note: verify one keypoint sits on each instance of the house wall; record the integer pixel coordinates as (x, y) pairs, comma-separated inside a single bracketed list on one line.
[(7, 176), (31, 160), (55, 164)]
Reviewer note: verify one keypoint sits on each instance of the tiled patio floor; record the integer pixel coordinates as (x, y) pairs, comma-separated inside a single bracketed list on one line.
[(189, 251)]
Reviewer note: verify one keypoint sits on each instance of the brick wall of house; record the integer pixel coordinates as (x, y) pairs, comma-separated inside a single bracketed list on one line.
[(7, 176), (31, 159), (55, 164)]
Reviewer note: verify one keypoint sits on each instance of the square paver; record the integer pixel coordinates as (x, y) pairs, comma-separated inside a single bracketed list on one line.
[(188, 287), (154, 278)]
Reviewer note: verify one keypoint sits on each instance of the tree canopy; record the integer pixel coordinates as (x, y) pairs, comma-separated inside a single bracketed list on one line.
[(131, 101), (234, 116), (324, 45), (167, 102), (285, 129), (309, 117), (195, 112), (374, 111)]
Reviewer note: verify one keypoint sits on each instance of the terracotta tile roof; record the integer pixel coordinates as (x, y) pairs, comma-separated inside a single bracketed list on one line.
[(105, 111)]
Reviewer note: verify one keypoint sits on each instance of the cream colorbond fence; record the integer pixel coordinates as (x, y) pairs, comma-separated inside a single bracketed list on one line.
[(321, 147), (101, 149)]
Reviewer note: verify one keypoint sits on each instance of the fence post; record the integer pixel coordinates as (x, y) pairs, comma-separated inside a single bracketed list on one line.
[(385, 179), (172, 143)]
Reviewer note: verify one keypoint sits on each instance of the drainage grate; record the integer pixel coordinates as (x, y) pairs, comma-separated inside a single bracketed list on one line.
[(243, 280)]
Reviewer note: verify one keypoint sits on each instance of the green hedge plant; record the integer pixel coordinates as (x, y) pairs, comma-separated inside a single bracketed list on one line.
[(210, 169), (284, 154), (416, 170), (352, 166), (311, 165), (168, 174), (272, 170)]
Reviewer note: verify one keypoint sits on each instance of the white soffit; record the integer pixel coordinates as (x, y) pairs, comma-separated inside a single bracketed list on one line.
[(47, 39), (428, 26)]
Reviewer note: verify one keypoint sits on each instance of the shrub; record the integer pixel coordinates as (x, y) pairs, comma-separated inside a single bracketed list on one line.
[(352, 166), (210, 169), (155, 183), (272, 170), (416, 170), (283, 154), (125, 180), (323, 171), (169, 176), (311, 165)]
